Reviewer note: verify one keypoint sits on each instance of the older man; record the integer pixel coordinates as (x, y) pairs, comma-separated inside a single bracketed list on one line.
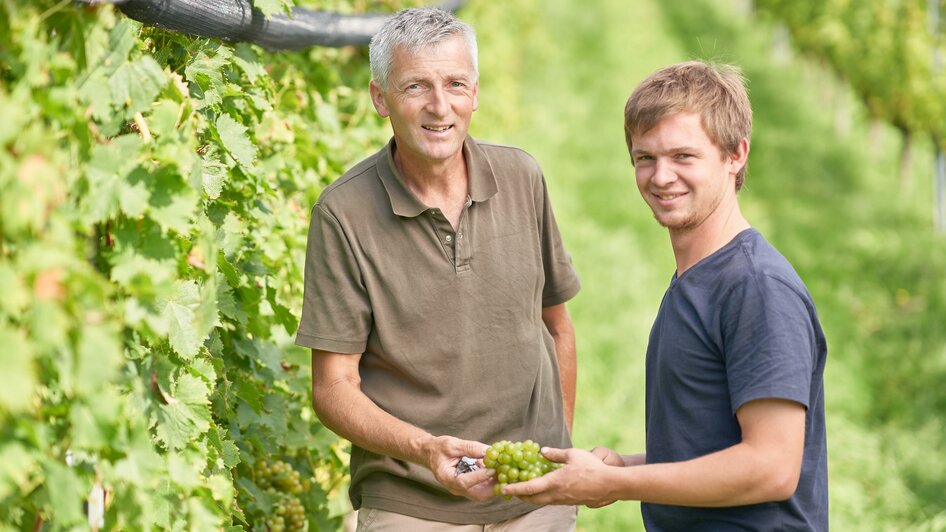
[(435, 292)]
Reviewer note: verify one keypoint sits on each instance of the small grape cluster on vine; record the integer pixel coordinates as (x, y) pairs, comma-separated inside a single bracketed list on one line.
[(281, 479), (516, 462)]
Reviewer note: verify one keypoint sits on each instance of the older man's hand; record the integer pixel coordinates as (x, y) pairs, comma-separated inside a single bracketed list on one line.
[(443, 456)]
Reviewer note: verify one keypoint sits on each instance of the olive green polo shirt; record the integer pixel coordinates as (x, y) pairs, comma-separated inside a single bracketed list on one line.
[(448, 322)]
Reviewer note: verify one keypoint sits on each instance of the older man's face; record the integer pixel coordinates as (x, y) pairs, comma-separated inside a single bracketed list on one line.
[(430, 98)]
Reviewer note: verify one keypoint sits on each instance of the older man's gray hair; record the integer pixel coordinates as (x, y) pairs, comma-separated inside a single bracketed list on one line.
[(415, 29)]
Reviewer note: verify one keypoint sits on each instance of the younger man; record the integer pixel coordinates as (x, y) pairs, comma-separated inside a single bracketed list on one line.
[(734, 395)]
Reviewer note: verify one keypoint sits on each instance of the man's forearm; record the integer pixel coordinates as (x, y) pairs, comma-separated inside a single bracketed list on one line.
[(346, 411), (566, 353), (732, 477), (343, 408), (765, 466), (559, 325)]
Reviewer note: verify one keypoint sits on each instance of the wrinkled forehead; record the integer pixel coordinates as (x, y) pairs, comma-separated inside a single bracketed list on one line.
[(449, 44), (450, 54)]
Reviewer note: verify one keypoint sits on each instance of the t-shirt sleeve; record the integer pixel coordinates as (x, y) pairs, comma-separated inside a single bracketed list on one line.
[(769, 341), (336, 314), (561, 278)]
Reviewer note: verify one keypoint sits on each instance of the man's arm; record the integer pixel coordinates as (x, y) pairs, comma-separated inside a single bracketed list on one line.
[(612, 458), (765, 466), (344, 409), (560, 326)]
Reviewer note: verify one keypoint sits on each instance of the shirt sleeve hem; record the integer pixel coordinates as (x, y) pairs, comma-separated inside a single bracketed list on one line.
[(331, 345), (796, 396), (562, 295)]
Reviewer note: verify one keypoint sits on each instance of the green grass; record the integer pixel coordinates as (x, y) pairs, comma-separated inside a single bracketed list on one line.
[(555, 76)]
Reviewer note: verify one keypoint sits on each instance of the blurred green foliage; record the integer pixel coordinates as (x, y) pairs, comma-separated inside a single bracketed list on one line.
[(886, 49)]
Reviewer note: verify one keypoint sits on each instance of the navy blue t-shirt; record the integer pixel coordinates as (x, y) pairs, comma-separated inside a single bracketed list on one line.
[(739, 325)]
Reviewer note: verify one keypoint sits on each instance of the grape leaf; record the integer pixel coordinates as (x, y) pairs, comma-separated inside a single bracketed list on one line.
[(143, 276), (133, 195), (227, 450), (121, 40), (16, 112), (99, 356), (108, 164), (213, 176), (192, 391), (165, 503), (136, 84), (221, 488), (86, 431), (251, 392), (273, 7), (203, 368), (16, 467), (95, 420), (227, 304), (246, 58), (187, 416), (184, 472), (140, 463), (262, 499), (97, 95), (277, 413), (205, 74), (233, 136), (271, 356), (18, 379), (230, 236), (173, 201), (15, 297), (232, 275), (179, 312), (163, 120), (283, 315), (65, 490)]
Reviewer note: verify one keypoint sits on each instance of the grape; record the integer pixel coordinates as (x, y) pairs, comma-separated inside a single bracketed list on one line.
[(516, 462)]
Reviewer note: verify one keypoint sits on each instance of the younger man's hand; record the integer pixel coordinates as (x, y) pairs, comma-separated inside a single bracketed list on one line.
[(583, 480)]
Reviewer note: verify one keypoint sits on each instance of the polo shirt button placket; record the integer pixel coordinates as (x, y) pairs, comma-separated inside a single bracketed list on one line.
[(461, 250)]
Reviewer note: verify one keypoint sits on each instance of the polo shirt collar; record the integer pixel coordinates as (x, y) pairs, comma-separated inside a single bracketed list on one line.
[(405, 203)]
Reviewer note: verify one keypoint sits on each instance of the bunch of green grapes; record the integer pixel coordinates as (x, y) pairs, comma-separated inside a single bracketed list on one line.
[(516, 462), (290, 515), (280, 476)]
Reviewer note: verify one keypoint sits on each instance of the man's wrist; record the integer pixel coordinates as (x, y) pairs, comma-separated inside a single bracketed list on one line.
[(421, 449)]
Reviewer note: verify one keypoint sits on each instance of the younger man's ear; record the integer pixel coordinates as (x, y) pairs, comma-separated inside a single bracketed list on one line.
[(739, 159)]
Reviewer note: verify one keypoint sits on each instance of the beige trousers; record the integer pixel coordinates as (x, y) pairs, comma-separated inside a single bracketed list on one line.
[(543, 519)]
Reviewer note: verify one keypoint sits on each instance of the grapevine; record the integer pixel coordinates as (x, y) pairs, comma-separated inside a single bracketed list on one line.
[(887, 49), (154, 198)]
